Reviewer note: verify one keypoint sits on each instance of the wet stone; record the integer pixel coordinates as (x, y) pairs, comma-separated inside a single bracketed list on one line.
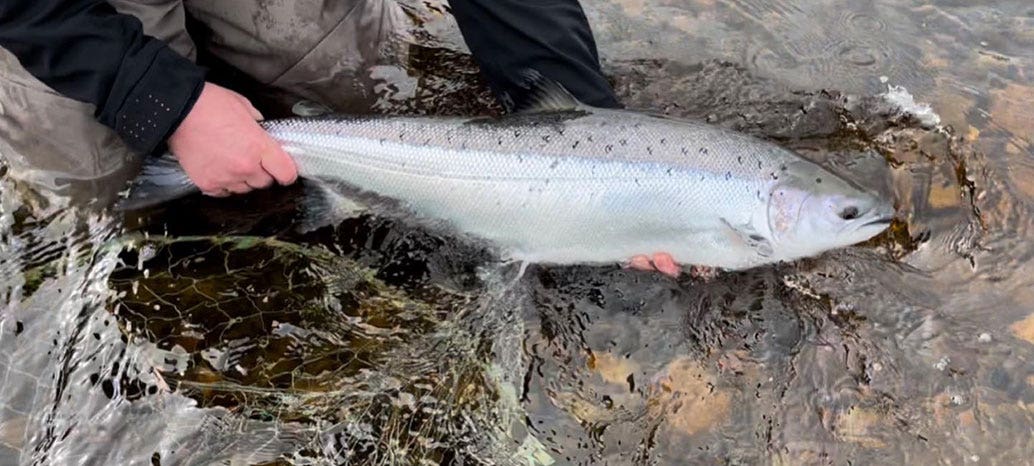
[(685, 396), (863, 426), (1024, 329)]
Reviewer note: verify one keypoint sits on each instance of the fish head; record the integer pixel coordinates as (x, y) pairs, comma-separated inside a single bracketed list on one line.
[(811, 210)]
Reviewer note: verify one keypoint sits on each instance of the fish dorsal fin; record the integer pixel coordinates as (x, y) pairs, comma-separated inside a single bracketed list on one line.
[(546, 95)]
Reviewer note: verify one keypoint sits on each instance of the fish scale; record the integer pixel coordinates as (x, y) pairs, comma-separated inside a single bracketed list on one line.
[(600, 135)]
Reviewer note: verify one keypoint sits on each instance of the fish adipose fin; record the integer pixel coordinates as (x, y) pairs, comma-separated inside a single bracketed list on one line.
[(308, 108), (161, 180), (546, 95)]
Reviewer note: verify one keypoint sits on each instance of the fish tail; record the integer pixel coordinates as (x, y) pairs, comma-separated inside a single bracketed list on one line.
[(161, 179)]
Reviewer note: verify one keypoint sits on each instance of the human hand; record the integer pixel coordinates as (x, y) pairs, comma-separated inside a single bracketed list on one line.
[(664, 263), (661, 262), (223, 149)]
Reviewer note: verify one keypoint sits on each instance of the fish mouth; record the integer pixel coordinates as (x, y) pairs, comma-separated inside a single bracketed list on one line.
[(882, 221)]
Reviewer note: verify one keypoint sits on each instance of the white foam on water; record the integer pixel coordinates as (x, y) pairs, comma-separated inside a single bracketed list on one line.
[(899, 97)]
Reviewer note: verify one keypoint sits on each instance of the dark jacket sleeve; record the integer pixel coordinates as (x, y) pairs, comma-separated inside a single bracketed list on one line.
[(85, 50), (549, 36)]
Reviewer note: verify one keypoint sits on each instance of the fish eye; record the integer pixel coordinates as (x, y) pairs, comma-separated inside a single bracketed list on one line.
[(849, 213)]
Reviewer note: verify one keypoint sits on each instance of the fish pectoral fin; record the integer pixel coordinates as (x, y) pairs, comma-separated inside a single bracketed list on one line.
[(546, 95), (523, 269), (322, 206), (752, 239)]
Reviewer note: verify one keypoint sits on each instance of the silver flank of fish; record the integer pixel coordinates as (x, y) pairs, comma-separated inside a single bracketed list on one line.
[(592, 186)]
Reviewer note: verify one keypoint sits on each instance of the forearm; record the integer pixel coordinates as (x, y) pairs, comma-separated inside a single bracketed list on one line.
[(165, 20), (552, 37), (85, 50)]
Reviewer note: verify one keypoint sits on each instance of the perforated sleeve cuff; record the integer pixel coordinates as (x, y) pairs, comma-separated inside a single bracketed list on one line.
[(154, 107)]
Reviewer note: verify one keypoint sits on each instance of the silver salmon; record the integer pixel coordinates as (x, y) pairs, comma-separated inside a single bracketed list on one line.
[(572, 184)]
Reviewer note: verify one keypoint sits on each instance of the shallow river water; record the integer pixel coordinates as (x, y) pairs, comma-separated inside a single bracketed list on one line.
[(210, 332)]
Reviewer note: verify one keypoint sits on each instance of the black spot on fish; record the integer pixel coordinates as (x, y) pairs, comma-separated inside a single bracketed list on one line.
[(636, 181), (670, 171), (818, 180), (649, 150), (728, 176), (739, 159), (589, 138), (545, 138), (758, 238), (759, 164), (782, 167), (575, 145), (517, 133), (608, 148), (623, 142), (685, 151), (663, 140)]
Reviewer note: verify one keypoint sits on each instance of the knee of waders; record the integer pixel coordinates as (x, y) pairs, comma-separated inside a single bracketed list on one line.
[(54, 144)]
